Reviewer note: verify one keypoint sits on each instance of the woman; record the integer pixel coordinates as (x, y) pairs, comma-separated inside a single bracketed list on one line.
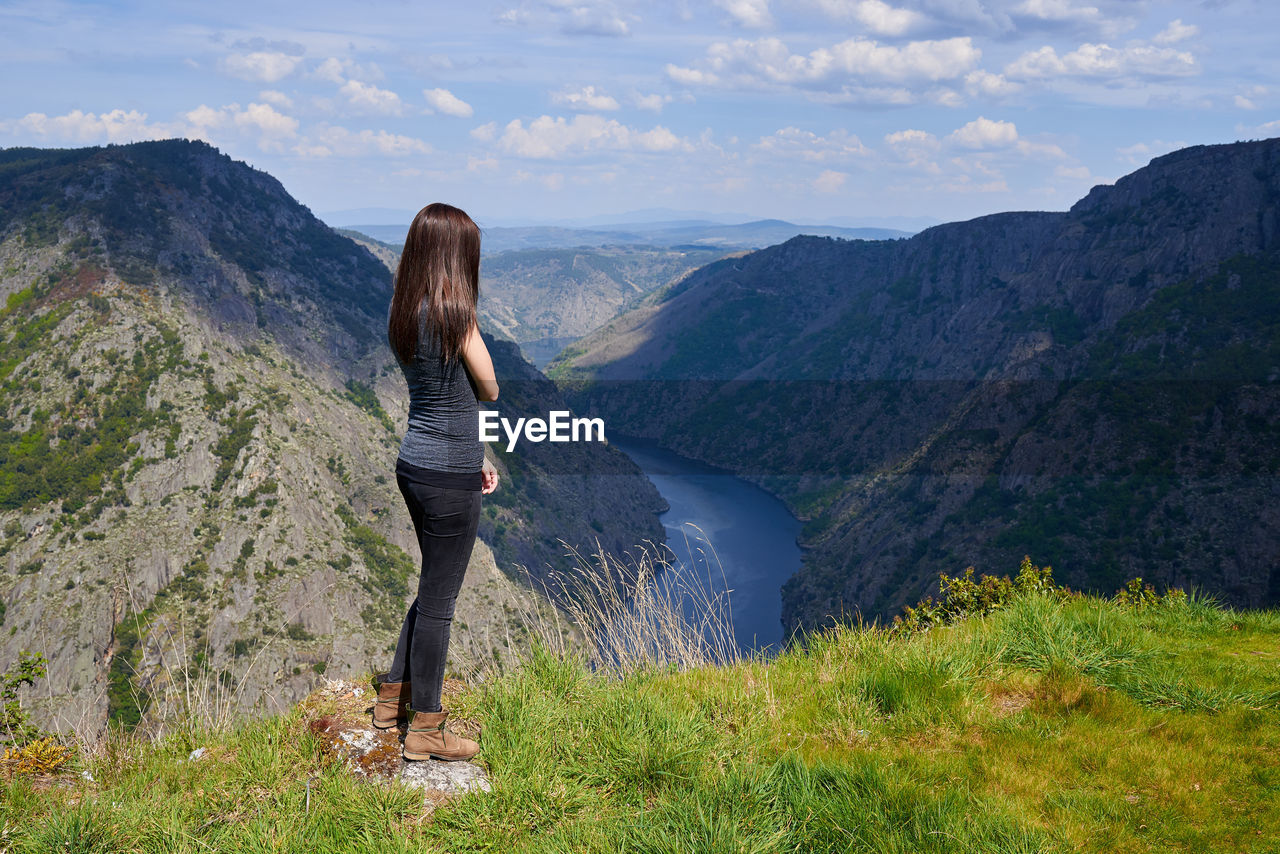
[(441, 469)]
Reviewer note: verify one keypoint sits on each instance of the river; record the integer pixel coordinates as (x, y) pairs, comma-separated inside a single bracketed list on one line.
[(750, 532)]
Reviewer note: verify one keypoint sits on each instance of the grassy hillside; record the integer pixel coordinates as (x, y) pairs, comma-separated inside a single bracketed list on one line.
[(1049, 722)]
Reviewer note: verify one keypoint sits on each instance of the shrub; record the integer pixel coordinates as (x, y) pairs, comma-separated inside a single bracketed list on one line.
[(15, 722), (43, 756), (1135, 594), (964, 597)]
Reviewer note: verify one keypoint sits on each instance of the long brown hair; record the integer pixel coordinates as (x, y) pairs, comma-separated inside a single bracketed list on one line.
[(440, 272)]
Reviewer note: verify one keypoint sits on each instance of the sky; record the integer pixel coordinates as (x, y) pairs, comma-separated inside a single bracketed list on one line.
[(848, 111)]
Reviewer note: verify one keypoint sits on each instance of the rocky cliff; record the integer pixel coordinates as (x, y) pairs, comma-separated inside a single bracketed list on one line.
[(199, 418), (1095, 388)]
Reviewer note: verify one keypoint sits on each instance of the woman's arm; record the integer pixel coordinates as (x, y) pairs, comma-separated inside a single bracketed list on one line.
[(475, 355)]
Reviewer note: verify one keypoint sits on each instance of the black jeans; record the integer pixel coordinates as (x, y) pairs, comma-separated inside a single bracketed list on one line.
[(445, 521)]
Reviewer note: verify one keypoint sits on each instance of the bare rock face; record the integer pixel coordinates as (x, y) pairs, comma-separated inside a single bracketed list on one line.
[(340, 716), (199, 417)]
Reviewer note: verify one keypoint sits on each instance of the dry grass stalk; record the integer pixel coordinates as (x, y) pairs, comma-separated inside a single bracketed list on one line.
[(648, 609)]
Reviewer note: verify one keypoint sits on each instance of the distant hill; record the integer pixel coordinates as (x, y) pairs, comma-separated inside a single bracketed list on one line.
[(546, 299), (1095, 388), (199, 419), (545, 287), (709, 235)]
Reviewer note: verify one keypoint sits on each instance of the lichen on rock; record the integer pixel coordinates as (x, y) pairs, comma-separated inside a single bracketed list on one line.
[(339, 716)]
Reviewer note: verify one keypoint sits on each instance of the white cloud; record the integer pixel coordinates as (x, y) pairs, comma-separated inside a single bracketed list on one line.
[(916, 148), (263, 121), (276, 99), (572, 17), (690, 76), (205, 116), (1075, 173), (830, 181), (1176, 32), (944, 97), (268, 122), (980, 164), (748, 13), (807, 145), (271, 126), (546, 137), (1041, 149), (841, 69), (911, 139), (481, 164), (1247, 100), (891, 95), (368, 98), (877, 16), (984, 133), (335, 140), (985, 83), (487, 132), (1058, 10), (654, 102), (444, 101), (332, 70), (338, 71), (586, 98), (1065, 13), (260, 66), (114, 126), (1100, 60)]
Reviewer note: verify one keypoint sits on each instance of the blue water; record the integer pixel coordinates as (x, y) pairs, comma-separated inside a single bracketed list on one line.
[(751, 532)]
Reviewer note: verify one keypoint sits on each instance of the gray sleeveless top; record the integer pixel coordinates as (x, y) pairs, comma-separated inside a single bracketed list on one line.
[(444, 422)]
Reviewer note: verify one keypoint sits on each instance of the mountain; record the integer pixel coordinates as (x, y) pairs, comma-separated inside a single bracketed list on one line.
[(199, 418), (647, 215), (676, 234), (1096, 388), (546, 299), (545, 287)]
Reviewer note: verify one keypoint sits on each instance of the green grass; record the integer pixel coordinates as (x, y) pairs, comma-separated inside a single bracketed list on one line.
[(1043, 725)]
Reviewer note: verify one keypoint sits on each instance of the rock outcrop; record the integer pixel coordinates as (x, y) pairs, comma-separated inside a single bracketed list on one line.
[(339, 713)]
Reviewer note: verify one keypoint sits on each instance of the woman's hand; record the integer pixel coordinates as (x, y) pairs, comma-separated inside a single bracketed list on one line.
[(490, 477)]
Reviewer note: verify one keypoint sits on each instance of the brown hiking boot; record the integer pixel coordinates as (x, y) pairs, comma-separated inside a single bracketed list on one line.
[(427, 738), (392, 706)]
